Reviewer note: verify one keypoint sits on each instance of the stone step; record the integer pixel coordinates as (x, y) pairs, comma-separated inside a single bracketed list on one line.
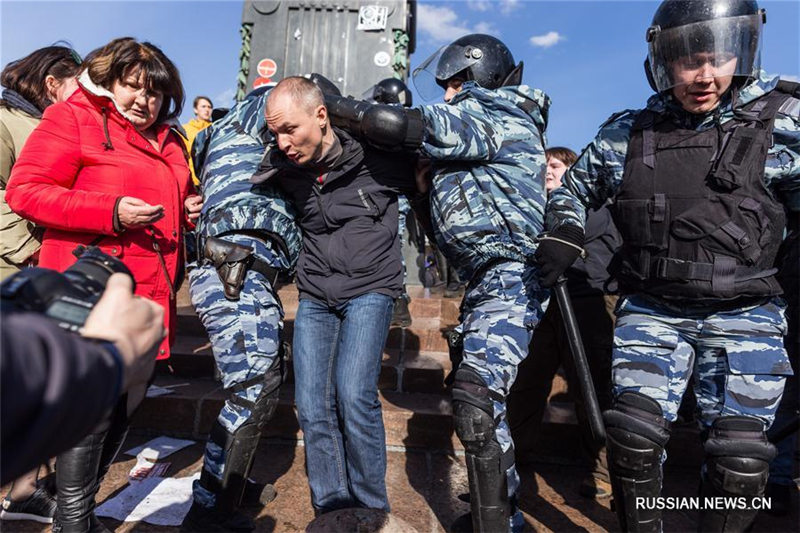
[(415, 358), (415, 420), (403, 369), (411, 420), (424, 304), (419, 338)]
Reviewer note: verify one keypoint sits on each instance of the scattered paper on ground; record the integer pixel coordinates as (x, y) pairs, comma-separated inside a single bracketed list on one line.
[(155, 500), (159, 448), (144, 468), (154, 391)]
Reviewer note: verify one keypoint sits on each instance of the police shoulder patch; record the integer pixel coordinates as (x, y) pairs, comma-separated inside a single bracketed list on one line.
[(617, 116)]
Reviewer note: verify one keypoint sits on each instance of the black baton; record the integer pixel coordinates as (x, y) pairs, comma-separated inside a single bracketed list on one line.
[(581, 365)]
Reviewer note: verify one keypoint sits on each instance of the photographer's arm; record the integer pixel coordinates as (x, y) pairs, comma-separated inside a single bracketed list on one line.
[(57, 386)]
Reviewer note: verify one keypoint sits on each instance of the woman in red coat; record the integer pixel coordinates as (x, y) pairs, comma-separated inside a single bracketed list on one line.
[(105, 169)]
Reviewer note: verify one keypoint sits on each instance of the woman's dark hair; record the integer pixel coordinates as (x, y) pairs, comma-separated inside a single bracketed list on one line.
[(26, 76), (125, 57), (565, 155)]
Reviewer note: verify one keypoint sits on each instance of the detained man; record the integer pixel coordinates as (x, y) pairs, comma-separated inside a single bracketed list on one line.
[(349, 274)]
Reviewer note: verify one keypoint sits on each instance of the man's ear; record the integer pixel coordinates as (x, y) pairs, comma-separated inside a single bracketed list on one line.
[(322, 116)]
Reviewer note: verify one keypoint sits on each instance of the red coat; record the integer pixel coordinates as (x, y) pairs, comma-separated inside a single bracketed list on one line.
[(68, 181)]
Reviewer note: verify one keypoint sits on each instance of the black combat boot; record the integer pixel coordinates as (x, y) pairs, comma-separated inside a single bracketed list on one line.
[(401, 316)]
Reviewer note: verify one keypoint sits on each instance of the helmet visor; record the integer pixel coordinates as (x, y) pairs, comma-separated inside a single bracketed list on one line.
[(369, 94), (424, 78), (708, 49), (431, 77)]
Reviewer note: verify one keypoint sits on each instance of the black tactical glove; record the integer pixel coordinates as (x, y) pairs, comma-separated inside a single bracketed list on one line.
[(557, 251), (325, 85)]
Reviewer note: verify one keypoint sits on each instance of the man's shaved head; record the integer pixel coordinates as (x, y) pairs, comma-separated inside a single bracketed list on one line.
[(297, 117), (302, 91)]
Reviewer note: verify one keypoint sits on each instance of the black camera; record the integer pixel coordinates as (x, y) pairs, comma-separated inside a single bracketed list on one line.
[(66, 297)]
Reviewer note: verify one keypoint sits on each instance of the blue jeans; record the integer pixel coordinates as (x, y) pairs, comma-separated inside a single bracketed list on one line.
[(337, 361)]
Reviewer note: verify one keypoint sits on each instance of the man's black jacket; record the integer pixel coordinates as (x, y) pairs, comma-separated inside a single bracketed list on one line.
[(349, 222)]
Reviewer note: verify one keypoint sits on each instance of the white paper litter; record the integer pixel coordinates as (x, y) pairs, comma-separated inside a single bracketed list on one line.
[(161, 501), (159, 448), (145, 468), (154, 391)]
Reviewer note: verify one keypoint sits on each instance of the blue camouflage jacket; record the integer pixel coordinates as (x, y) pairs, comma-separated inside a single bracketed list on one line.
[(226, 155), (597, 174), (487, 152)]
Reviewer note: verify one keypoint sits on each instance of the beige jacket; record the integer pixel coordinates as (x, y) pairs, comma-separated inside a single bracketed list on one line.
[(19, 239)]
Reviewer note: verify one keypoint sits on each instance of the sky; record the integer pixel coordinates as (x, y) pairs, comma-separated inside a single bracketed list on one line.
[(586, 55)]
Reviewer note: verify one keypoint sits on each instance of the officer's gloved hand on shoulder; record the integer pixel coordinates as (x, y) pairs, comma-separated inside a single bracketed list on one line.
[(325, 85), (557, 251)]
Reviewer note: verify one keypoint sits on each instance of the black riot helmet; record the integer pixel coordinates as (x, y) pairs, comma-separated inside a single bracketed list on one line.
[(692, 34), (477, 57), (389, 91)]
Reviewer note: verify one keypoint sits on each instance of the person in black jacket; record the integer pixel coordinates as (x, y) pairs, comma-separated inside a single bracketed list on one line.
[(593, 303), (349, 274)]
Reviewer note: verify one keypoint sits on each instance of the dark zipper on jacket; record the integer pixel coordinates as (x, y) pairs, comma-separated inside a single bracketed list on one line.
[(464, 197), (107, 144), (163, 263)]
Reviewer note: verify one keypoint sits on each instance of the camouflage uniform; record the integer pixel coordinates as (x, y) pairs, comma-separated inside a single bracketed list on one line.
[(403, 209), (736, 354), (245, 333), (487, 206), (597, 175)]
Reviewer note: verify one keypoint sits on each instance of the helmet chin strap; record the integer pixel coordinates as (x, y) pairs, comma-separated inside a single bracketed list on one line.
[(649, 73)]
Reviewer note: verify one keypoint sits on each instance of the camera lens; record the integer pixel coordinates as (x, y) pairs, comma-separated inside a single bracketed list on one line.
[(92, 270)]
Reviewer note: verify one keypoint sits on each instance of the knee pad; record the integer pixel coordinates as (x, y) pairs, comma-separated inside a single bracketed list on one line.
[(472, 411), (239, 446), (738, 456), (487, 465), (636, 433), (263, 408), (737, 465)]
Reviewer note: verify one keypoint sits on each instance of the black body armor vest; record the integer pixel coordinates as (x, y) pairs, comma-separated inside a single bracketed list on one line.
[(697, 221)]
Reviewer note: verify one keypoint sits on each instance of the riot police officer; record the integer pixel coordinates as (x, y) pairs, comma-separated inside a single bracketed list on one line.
[(700, 179), (390, 91), (486, 146), (247, 238)]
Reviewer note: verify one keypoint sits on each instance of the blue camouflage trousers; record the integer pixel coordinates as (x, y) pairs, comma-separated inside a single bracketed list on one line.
[(737, 357), (245, 338), (498, 315)]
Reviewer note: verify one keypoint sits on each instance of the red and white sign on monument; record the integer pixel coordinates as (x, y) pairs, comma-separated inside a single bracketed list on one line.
[(267, 68)]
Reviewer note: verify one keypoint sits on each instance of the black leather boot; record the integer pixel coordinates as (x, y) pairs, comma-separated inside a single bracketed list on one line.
[(115, 437), (77, 484)]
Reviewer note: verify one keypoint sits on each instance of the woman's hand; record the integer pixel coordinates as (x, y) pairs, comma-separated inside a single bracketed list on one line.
[(136, 213), (193, 205)]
